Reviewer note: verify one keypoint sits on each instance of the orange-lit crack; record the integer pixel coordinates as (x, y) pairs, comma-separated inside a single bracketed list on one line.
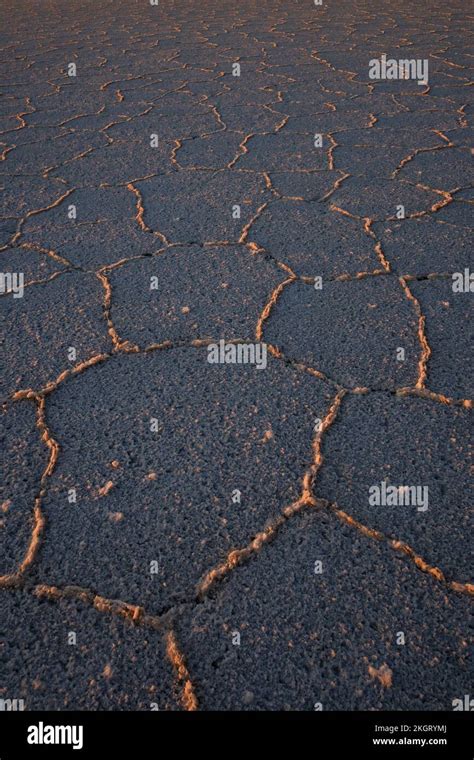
[(139, 617), (422, 392), (337, 184), (140, 215), (330, 152), (13, 579), (136, 613), (48, 252), (399, 546), (52, 385), (242, 148), (425, 348), (35, 212), (346, 277), (246, 229), (367, 227), (68, 161), (463, 122), (176, 658), (416, 152), (40, 281), (266, 311), (118, 344), (445, 199), (306, 499), (123, 349), (378, 245)]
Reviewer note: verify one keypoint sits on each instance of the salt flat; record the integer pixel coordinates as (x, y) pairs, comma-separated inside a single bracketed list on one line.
[(177, 533)]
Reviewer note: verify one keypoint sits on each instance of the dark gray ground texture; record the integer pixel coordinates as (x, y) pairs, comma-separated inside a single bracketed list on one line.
[(151, 438)]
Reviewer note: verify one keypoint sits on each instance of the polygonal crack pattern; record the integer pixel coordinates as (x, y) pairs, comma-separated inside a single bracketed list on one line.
[(174, 490), (303, 641), (400, 441), (177, 533), (326, 329)]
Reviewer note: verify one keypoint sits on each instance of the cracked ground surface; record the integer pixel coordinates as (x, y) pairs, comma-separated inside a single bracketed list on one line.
[(234, 614)]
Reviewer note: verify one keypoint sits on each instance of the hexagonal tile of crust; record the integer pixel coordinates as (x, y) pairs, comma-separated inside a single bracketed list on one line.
[(400, 465), (284, 151), (175, 461), (314, 241), (215, 151), (308, 186), (371, 163), (381, 199), (446, 170), (200, 207), (424, 245), (357, 332), (192, 293)]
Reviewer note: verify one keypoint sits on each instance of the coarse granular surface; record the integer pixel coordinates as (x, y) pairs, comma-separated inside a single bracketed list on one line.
[(236, 349)]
